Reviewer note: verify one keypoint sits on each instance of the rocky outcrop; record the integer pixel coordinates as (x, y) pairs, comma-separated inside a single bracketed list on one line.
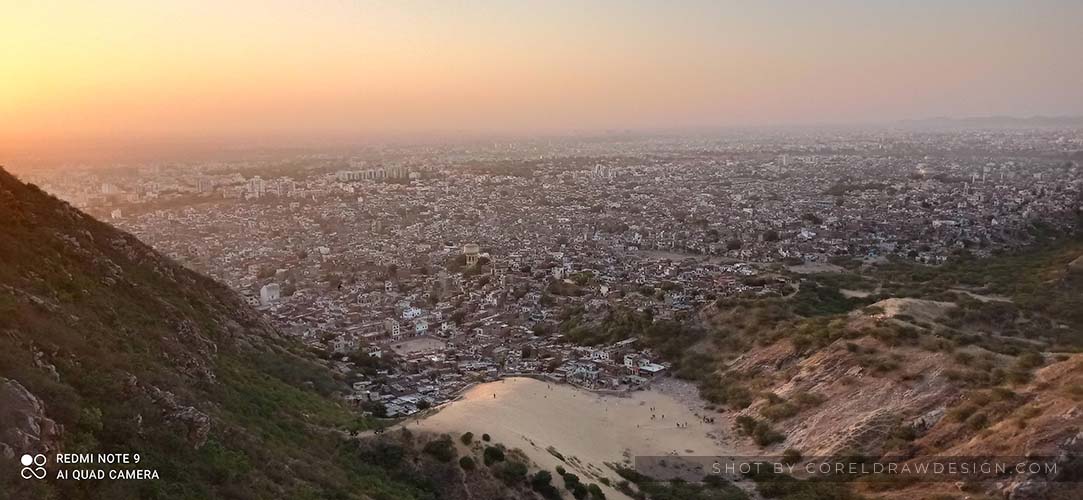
[(195, 423), (24, 425), (1046, 425), (1076, 265), (859, 406)]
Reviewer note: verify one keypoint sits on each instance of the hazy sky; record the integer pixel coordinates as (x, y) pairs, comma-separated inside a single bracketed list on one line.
[(117, 69)]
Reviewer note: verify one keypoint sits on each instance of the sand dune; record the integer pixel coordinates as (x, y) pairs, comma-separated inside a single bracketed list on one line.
[(586, 428)]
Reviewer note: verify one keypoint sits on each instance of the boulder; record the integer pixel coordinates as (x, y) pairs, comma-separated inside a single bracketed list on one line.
[(24, 425)]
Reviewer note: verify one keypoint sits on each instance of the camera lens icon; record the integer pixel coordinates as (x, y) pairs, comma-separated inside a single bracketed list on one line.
[(33, 466)]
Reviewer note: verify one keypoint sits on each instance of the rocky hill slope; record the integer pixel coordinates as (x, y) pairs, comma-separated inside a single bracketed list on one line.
[(107, 346), (978, 358)]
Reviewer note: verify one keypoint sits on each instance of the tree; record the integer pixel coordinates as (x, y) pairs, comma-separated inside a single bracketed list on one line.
[(467, 463), (467, 438), (770, 235)]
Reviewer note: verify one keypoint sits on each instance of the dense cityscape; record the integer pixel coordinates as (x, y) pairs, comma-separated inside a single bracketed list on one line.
[(471, 263)]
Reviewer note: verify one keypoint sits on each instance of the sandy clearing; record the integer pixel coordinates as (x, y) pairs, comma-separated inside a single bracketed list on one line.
[(419, 344), (983, 298), (816, 268), (923, 310), (588, 429)]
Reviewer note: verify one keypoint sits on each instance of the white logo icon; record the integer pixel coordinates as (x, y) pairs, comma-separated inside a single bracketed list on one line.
[(33, 466)]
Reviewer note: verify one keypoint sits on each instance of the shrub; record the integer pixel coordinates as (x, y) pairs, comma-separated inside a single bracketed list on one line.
[(569, 478), (511, 473), (760, 431), (1029, 361), (442, 448), (779, 411), (962, 412), (492, 455), (541, 482), (977, 421)]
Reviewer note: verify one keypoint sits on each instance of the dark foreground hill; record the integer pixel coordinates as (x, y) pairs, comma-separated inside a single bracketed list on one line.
[(107, 346)]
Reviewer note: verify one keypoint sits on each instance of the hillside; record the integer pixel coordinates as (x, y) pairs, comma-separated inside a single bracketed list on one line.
[(110, 347), (975, 357)]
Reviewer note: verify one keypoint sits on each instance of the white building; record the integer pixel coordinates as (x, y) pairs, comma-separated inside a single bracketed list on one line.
[(393, 328), (270, 293), (411, 313)]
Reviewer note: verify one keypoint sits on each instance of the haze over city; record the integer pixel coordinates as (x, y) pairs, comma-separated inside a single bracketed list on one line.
[(121, 73), (541, 249)]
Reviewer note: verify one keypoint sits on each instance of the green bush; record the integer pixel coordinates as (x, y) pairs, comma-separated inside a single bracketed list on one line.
[(492, 455), (791, 456), (511, 472), (442, 448), (760, 431), (541, 482)]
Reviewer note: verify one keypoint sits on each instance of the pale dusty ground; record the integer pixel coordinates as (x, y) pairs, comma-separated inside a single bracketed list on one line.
[(854, 293), (586, 428), (924, 310), (816, 267), (983, 298), (418, 344)]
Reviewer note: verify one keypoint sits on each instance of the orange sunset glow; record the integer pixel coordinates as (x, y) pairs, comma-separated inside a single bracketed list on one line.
[(126, 70)]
